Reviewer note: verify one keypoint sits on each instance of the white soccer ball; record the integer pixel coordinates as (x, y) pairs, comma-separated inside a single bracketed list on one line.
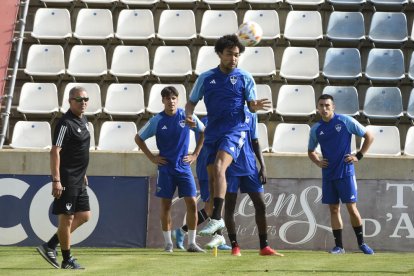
[(250, 33)]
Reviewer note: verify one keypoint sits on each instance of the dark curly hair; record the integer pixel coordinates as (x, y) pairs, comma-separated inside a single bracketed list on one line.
[(228, 41), (168, 91)]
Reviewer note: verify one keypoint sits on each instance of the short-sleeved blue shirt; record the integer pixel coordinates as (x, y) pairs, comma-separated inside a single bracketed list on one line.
[(334, 138), (172, 136), (201, 165), (224, 96)]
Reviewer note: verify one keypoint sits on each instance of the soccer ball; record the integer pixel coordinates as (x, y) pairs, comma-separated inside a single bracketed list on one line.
[(250, 33)]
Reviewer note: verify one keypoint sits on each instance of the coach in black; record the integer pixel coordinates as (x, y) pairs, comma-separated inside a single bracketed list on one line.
[(69, 158)]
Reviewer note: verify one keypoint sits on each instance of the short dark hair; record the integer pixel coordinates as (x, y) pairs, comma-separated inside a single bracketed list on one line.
[(168, 91), (228, 41), (75, 90), (326, 97)]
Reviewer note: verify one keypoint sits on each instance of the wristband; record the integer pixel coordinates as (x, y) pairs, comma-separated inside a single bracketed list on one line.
[(359, 155), (55, 180)]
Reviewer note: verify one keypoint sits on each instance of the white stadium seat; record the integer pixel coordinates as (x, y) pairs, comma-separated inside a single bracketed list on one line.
[(38, 98), (264, 92), (155, 104), (31, 135), (388, 27), (267, 19), (94, 93), (87, 61), (386, 141), (291, 138), (130, 61), (409, 142), (207, 59), (385, 65), (293, 61), (263, 137), (172, 61), (258, 61), (51, 23), (92, 134), (303, 25), (127, 23), (296, 100), (124, 99), (410, 105), (139, 2), (305, 2), (346, 26), (345, 98), (177, 25), (94, 24), (152, 144), (45, 60), (200, 109), (383, 103), (117, 136), (216, 23), (342, 63)]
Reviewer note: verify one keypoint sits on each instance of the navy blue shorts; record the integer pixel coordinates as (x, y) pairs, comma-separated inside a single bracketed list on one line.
[(167, 183), (246, 184)]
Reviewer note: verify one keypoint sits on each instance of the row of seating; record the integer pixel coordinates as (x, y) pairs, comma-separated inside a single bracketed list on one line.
[(175, 61), (127, 99), (233, 2), (288, 138), (180, 25)]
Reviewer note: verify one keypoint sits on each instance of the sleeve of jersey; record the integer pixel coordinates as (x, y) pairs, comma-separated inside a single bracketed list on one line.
[(313, 141), (250, 90), (353, 126), (198, 89), (150, 128), (253, 127), (199, 125), (61, 134)]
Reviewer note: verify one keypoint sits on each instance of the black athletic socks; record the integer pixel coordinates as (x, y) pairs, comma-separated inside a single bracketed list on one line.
[(359, 234), (338, 237), (66, 254), (202, 216), (233, 240), (53, 242), (218, 206), (263, 241)]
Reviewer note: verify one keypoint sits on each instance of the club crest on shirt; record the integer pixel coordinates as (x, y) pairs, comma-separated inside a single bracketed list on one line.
[(233, 79), (79, 130), (338, 127), (182, 123), (68, 206)]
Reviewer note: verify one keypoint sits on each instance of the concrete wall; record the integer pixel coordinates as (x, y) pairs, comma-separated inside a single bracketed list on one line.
[(136, 164)]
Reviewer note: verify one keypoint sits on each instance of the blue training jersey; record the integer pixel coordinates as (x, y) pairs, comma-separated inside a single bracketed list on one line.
[(334, 138), (225, 96), (246, 162), (172, 136), (201, 165)]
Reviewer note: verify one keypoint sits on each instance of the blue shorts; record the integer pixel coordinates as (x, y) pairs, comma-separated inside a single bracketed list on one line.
[(231, 143), (247, 184), (344, 190), (168, 182), (204, 190)]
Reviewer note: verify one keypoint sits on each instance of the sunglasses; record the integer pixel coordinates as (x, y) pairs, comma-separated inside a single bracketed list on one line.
[(80, 99)]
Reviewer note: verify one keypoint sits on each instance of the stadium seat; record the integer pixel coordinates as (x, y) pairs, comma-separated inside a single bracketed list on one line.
[(264, 92), (31, 135), (38, 98), (180, 1), (342, 64), (87, 61), (50, 23), (410, 105), (349, 3), (388, 27), (259, 2), (45, 60), (345, 98), (127, 23), (207, 59), (383, 103), (267, 19), (177, 25), (152, 145), (385, 65), (94, 93), (386, 141), (346, 26), (216, 23), (200, 109), (221, 2), (303, 25), (411, 68), (293, 61), (193, 142), (139, 2), (94, 24), (305, 2), (57, 1), (124, 99), (172, 61), (155, 104), (263, 137), (388, 3), (99, 1), (92, 134), (291, 138), (296, 100), (258, 61), (130, 61), (117, 136), (409, 142)]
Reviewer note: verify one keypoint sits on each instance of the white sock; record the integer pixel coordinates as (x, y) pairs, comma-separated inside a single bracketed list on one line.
[(167, 237), (191, 237)]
